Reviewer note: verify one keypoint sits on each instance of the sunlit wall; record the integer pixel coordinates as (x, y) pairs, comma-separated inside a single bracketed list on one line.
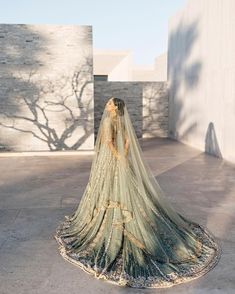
[(46, 87)]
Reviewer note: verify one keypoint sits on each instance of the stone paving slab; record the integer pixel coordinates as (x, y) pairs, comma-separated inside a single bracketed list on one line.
[(37, 191)]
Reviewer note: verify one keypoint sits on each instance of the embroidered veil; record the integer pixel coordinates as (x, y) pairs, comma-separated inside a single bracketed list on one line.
[(124, 230)]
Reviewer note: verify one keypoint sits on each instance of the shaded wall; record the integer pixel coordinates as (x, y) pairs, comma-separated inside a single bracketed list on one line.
[(147, 104), (46, 87), (201, 75)]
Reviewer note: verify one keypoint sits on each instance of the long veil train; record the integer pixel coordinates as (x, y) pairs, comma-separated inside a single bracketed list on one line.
[(124, 230)]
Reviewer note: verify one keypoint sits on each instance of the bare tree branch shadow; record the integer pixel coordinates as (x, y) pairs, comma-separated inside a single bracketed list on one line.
[(58, 113), (155, 118), (183, 74)]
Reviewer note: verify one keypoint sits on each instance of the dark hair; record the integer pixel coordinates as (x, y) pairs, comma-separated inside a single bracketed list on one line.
[(120, 105)]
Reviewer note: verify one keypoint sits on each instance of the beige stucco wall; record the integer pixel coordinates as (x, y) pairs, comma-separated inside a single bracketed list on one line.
[(160, 66), (117, 64)]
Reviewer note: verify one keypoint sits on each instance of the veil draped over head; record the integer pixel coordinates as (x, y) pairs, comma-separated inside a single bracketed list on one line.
[(124, 229)]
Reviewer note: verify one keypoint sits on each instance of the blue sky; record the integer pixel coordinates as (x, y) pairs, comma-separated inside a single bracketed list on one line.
[(138, 25)]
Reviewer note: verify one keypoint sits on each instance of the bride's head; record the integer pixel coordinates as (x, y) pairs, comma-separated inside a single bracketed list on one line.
[(115, 106)]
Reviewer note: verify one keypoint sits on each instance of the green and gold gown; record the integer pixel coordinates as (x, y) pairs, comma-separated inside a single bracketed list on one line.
[(124, 230)]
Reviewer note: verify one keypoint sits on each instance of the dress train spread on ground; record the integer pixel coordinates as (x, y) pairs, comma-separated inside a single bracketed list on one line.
[(124, 230)]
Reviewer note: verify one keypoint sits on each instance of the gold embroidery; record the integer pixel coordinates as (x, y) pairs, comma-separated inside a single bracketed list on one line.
[(146, 217), (133, 239), (128, 216), (99, 234), (211, 252), (116, 204)]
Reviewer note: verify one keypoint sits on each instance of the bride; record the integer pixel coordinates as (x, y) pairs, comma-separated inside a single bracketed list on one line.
[(124, 230)]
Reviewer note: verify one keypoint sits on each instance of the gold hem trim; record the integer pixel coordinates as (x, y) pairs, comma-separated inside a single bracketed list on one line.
[(145, 284)]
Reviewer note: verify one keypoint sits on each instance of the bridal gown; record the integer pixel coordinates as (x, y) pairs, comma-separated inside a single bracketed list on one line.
[(124, 230)]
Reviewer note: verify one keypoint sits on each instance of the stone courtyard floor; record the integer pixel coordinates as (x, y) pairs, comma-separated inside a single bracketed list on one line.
[(37, 191)]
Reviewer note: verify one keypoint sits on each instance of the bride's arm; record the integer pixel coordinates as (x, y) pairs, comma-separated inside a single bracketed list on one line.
[(107, 134), (113, 149)]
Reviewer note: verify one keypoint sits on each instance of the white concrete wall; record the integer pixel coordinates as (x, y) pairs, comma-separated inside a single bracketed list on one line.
[(160, 67), (144, 73), (201, 75), (117, 64), (123, 70)]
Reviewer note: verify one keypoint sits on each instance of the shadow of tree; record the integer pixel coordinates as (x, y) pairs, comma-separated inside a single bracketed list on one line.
[(53, 111), (19, 58), (155, 116), (206, 183), (183, 74)]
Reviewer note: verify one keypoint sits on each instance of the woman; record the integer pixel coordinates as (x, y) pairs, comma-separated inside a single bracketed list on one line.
[(124, 230)]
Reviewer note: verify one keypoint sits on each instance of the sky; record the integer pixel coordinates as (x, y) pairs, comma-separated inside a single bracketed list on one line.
[(137, 25)]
